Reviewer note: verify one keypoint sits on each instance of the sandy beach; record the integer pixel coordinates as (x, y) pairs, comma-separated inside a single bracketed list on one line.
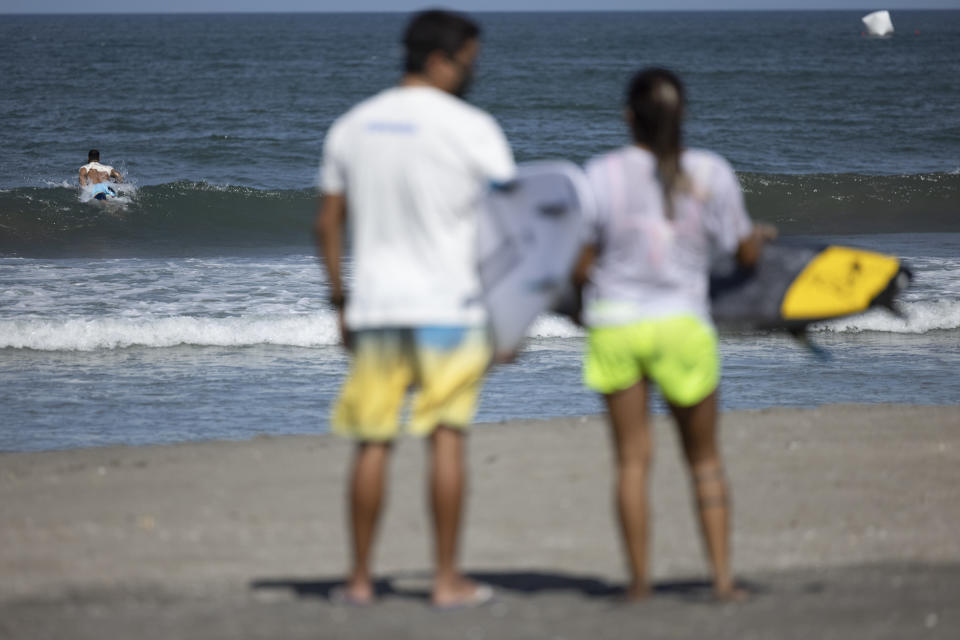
[(846, 525)]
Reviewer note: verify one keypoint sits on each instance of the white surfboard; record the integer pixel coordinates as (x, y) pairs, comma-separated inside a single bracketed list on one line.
[(114, 193), (529, 237)]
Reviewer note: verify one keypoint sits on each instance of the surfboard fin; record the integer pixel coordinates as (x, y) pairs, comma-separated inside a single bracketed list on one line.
[(803, 337)]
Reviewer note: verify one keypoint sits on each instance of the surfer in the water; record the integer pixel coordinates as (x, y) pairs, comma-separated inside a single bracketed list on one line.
[(97, 177), (410, 166), (662, 212)]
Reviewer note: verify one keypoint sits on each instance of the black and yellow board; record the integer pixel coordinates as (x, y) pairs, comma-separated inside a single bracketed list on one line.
[(793, 286)]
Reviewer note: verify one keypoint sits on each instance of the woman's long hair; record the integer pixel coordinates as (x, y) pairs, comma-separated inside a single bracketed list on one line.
[(656, 101)]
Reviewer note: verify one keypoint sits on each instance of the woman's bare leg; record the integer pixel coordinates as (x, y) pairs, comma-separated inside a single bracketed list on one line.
[(698, 426), (631, 437)]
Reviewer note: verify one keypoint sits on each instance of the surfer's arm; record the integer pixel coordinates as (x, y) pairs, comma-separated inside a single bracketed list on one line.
[(116, 175), (83, 177), (328, 233), (751, 246)]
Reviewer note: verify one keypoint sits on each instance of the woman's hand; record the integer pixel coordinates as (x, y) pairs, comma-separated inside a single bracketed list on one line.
[(750, 248)]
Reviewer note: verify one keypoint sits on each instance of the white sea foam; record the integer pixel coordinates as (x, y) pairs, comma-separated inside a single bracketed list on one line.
[(90, 334), (300, 330), (319, 329), (919, 317), (553, 326), (88, 305)]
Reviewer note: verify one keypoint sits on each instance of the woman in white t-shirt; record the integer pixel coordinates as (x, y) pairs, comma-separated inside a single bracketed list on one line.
[(663, 213)]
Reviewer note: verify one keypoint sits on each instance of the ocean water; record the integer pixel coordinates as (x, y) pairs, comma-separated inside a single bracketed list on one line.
[(197, 310)]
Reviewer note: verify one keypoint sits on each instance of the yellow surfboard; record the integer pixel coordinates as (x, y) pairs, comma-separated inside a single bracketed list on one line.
[(794, 285), (838, 281)]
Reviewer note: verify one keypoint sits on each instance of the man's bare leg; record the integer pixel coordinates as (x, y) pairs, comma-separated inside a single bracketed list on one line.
[(631, 436), (367, 481), (697, 426), (447, 485)]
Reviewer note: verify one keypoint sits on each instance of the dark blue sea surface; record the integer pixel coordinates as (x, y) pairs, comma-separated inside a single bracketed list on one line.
[(244, 100), (196, 309)]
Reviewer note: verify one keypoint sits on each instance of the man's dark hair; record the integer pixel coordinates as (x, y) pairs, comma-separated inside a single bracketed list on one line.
[(435, 30), (93, 156)]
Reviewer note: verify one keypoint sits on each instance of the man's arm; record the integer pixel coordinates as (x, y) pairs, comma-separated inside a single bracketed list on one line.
[(328, 234), (83, 177), (116, 175)]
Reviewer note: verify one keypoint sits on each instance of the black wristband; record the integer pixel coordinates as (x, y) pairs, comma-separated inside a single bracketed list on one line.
[(338, 301)]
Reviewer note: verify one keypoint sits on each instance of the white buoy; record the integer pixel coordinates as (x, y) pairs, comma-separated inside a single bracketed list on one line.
[(878, 23)]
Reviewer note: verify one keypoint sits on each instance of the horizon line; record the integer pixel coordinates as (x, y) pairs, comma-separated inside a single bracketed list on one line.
[(467, 11)]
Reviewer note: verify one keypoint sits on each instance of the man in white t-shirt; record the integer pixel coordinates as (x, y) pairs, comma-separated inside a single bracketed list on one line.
[(408, 168)]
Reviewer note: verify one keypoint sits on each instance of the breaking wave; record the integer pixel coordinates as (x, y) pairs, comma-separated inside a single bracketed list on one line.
[(320, 330), (191, 218)]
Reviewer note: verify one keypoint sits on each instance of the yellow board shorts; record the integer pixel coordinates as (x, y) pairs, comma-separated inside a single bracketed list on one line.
[(444, 364), (679, 353)]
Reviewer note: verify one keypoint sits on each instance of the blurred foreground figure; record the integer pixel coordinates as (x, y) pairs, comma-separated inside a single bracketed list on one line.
[(408, 168), (662, 213)]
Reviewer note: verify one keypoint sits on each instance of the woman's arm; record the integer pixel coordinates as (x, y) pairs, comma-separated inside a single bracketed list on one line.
[(750, 247), (581, 270)]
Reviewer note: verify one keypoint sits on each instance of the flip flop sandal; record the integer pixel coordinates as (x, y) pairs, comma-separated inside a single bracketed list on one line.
[(340, 596), (483, 594)]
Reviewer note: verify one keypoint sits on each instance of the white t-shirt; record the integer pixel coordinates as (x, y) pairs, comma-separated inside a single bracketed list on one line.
[(648, 265), (413, 164), (96, 166)]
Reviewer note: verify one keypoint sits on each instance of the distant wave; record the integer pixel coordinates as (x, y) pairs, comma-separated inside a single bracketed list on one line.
[(833, 204), (180, 218), (319, 329), (188, 218)]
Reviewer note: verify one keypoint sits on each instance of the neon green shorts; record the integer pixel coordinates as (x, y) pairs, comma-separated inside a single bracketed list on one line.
[(679, 353), (443, 365)]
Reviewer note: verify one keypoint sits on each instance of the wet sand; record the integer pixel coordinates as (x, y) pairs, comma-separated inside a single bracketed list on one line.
[(846, 525)]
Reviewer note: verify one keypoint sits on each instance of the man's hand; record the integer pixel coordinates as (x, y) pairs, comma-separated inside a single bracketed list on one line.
[(328, 234), (344, 332)]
